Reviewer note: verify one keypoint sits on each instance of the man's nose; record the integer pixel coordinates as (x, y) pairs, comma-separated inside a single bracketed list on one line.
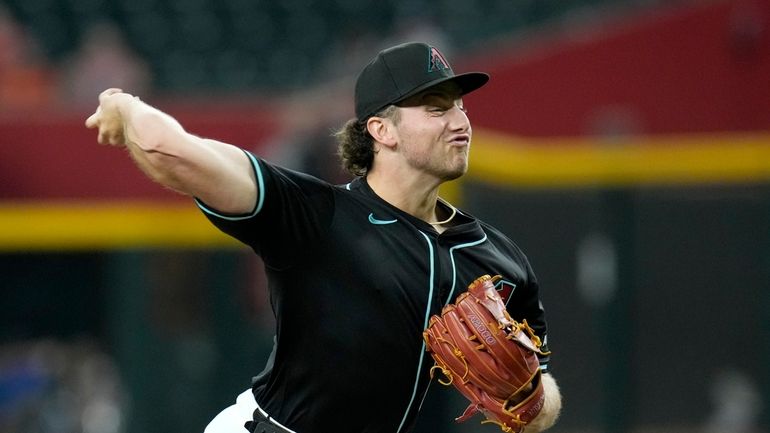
[(459, 119)]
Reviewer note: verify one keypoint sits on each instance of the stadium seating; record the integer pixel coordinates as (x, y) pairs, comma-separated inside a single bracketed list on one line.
[(236, 45)]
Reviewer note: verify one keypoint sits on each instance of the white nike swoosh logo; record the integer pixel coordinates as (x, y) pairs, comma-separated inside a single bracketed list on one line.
[(379, 222)]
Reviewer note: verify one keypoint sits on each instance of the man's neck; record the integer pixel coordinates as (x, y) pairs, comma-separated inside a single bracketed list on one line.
[(415, 195)]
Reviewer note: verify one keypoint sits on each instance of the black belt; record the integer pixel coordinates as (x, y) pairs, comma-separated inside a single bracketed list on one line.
[(261, 424)]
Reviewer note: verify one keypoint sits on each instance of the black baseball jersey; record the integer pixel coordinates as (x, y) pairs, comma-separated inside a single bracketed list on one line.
[(353, 282)]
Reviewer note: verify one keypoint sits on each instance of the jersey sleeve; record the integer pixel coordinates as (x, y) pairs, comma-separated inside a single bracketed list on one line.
[(526, 304), (293, 210)]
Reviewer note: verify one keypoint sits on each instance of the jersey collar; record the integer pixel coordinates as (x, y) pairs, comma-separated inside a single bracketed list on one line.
[(467, 227)]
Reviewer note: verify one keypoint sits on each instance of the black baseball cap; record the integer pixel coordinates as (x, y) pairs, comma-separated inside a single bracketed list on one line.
[(403, 71)]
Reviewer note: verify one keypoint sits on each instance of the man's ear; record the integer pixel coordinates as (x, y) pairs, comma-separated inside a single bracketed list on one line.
[(382, 130)]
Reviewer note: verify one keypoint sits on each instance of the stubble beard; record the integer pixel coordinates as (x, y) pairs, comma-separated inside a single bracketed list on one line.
[(446, 166), (453, 166), (456, 173), (457, 169)]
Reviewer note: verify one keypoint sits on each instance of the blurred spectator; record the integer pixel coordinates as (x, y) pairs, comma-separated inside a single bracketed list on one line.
[(103, 60), (56, 387), (306, 141), (737, 403), (355, 44), (25, 80), (417, 25)]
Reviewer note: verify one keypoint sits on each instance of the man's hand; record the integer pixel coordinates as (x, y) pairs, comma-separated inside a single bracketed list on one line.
[(109, 117), (217, 173)]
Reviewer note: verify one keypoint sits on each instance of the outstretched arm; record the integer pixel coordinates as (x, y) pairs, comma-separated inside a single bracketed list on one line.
[(219, 174)]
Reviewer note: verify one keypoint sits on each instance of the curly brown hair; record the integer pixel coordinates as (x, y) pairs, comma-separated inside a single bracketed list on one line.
[(356, 145)]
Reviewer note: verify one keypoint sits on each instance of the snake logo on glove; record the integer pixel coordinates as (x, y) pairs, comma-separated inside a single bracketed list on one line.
[(489, 357)]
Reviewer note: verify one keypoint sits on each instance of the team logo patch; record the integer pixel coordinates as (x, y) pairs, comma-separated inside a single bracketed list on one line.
[(505, 289), (437, 61)]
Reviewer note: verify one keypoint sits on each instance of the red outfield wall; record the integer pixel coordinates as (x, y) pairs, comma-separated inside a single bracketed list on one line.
[(702, 68)]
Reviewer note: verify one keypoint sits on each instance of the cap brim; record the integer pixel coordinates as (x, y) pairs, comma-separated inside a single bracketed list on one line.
[(468, 82)]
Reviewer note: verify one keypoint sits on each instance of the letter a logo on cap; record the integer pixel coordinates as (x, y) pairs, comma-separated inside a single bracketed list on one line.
[(437, 62)]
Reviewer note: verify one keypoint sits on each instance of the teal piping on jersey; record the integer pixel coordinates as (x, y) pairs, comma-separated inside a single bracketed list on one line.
[(425, 325), (454, 267), (260, 194)]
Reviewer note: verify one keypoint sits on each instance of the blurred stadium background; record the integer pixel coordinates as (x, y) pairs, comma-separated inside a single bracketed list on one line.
[(623, 144)]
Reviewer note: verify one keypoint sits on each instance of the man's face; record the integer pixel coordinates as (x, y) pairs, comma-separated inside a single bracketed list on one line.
[(434, 133)]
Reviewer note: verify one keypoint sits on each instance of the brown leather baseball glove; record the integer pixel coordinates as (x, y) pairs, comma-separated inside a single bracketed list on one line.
[(489, 357)]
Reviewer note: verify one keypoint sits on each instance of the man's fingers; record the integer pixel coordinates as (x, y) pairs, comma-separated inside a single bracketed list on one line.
[(93, 120), (109, 92), (97, 120)]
